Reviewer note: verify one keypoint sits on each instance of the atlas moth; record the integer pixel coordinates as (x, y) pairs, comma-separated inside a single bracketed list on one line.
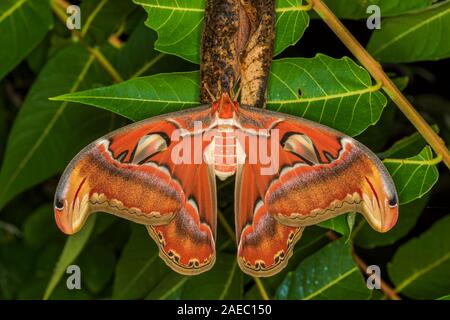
[(144, 173)]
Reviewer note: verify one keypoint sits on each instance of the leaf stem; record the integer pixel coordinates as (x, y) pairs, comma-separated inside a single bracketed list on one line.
[(378, 74), (431, 162), (101, 59), (259, 284), (59, 7), (306, 7), (58, 10), (148, 65), (226, 225), (261, 288), (92, 17)]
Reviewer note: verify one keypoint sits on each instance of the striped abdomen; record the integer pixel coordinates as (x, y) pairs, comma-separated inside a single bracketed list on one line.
[(225, 152)]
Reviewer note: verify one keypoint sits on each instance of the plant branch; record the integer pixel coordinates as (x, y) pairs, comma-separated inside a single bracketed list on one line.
[(379, 75), (363, 266), (148, 65), (59, 7), (58, 10), (226, 225), (259, 284), (106, 65), (261, 288), (306, 7), (384, 286), (431, 162)]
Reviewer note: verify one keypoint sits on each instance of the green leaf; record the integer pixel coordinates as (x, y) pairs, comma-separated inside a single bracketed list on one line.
[(38, 56), (377, 136), (144, 97), (97, 267), (15, 267), (138, 54), (413, 37), (139, 269), (415, 176), (36, 286), (46, 261), (407, 146), (24, 24), (401, 82), (73, 247), (226, 277), (42, 268), (339, 224), (330, 273), (47, 134), (447, 297), (170, 287), (409, 213), (100, 18), (39, 229), (335, 92), (419, 268), (3, 127), (351, 9), (179, 25), (138, 57), (8, 232), (292, 21)]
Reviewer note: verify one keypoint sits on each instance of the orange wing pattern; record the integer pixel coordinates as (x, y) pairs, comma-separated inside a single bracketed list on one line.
[(320, 174), (130, 173), (310, 173)]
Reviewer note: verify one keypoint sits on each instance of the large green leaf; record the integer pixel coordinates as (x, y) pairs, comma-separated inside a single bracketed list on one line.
[(73, 247), (420, 268), (3, 127), (406, 147), (351, 9), (170, 287), (226, 276), (179, 25), (335, 92), (330, 273), (39, 228), (418, 36), (144, 97), (409, 213), (139, 269), (15, 267), (415, 176), (100, 18), (23, 24), (138, 57), (43, 264), (377, 136), (47, 134), (97, 266), (292, 21)]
